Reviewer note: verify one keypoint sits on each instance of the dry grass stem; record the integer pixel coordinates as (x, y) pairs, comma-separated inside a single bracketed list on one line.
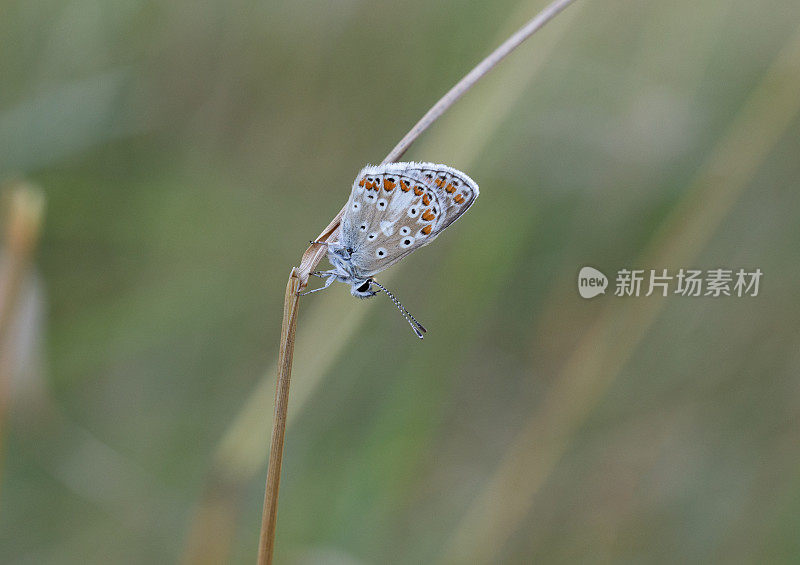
[(314, 254), (475, 75), (269, 516)]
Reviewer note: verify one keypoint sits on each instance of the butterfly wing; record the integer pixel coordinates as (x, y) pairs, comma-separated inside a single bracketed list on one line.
[(397, 208)]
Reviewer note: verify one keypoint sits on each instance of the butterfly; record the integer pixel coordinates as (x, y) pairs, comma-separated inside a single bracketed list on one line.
[(393, 210)]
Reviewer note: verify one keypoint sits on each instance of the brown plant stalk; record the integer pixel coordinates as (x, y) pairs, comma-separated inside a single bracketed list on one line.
[(298, 278)]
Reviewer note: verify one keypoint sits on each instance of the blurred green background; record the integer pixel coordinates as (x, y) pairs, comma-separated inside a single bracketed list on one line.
[(188, 151)]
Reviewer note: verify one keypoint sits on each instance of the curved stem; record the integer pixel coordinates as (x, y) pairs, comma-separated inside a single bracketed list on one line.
[(314, 254), (298, 279), (475, 75)]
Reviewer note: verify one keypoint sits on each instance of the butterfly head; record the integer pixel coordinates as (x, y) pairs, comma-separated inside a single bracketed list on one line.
[(340, 251)]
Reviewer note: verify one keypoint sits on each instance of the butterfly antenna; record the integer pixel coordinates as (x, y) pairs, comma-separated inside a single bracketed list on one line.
[(418, 328)]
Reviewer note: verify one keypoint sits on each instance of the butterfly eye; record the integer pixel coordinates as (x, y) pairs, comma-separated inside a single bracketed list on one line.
[(364, 287)]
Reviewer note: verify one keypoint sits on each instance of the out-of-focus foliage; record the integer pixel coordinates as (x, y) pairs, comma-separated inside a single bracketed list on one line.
[(188, 151)]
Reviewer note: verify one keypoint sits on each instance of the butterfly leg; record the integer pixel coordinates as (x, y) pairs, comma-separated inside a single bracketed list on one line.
[(323, 274)]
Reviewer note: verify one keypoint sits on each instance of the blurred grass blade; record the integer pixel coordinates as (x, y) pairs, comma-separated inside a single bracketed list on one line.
[(507, 498), (23, 225), (64, 121), (26, 207)]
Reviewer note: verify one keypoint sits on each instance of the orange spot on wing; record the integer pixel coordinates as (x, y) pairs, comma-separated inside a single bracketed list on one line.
[(459, 198), (418, 190), (427, 215), (426, 200), (426, 230), (362, 182), (450, 188), (388, 186), (439, 182), (403, 186)]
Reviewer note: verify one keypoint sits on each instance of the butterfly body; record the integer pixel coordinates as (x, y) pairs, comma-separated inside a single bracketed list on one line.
[(393, 210), (345, 271)]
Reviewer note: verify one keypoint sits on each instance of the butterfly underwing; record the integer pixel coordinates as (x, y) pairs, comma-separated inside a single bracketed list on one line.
[(393, 210)]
